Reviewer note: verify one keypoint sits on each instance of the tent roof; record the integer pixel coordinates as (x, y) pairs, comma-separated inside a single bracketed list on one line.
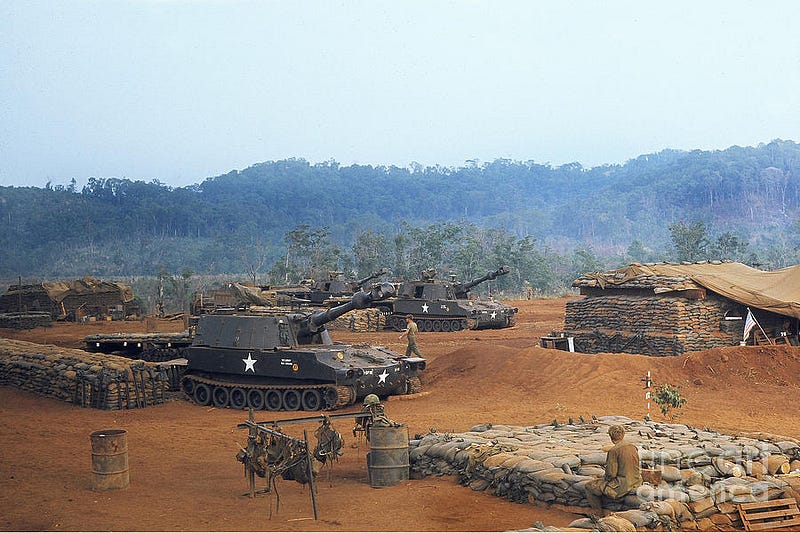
[(777, 291), (58, 290)]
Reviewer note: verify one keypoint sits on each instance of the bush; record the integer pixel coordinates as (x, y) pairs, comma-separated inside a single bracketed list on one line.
[(668, 397)]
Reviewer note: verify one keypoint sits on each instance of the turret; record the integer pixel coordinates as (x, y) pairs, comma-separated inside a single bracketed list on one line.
[(356, 285), (360, 300), (462, 289)]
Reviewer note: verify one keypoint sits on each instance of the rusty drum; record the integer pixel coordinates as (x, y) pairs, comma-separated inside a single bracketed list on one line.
[(387, 460), (110, 459)]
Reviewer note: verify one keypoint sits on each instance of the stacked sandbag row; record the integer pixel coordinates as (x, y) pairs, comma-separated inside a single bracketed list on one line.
[(651, 325), (79, 377), (25, 320), (360, 320), (703, 474)]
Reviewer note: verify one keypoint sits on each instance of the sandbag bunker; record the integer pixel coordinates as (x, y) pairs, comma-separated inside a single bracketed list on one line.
[(86, 379), (704, 474)]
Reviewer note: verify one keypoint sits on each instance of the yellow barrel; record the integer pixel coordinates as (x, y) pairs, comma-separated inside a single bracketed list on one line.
[(387, 460), (110, 459)]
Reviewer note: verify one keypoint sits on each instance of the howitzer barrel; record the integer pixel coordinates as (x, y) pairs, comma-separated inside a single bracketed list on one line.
[(503, 270), (357, 285), (360, 300)]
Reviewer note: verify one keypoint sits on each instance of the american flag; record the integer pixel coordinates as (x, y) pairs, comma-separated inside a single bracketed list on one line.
[(749, 324)]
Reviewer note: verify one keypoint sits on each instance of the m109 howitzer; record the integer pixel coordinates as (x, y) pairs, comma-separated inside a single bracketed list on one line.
[(332, 291), (446, 306), (287, 361)]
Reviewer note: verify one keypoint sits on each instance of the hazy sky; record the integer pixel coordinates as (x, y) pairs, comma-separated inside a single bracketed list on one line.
[(182, 90)]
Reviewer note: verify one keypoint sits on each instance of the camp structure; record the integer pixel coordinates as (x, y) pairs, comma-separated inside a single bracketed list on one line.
[(668, 309), (71, 300)]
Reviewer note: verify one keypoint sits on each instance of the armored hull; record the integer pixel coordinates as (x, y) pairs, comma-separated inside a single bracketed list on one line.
[(446, 306), (451, 315), (287, 362), (310, 378)]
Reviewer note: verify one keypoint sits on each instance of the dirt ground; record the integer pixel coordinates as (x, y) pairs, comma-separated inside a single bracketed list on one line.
[(184, 476)]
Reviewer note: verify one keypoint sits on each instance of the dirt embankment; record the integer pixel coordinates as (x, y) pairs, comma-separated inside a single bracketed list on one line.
[(184, 475)]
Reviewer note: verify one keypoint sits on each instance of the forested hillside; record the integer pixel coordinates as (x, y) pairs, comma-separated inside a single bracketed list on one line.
[(283, 220)]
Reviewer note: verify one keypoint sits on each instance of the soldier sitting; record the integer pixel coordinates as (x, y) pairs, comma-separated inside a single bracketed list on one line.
[(623, 473)]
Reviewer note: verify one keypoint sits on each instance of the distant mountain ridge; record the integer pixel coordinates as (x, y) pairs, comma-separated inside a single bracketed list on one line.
[(132, 225)]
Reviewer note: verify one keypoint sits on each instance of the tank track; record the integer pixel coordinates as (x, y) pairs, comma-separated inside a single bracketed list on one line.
[(444, 324), (222, 394)]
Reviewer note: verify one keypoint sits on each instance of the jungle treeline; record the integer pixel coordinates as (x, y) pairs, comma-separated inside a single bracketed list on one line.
[(280, 221)]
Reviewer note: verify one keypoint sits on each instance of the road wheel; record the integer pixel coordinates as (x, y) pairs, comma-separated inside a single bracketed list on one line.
[(188, 387), (445, 325), (312, 400), (255, 399), (202, 394), (221, 397), (238, 398), (437, 325), (291, 400), (273, 399)]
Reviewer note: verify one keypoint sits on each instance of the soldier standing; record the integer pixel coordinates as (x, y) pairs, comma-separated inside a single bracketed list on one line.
[(411, 333)]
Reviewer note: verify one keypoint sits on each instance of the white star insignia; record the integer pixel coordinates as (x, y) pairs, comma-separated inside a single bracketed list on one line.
[(424, 308), (249, 363), (382, 377), (494, 315)]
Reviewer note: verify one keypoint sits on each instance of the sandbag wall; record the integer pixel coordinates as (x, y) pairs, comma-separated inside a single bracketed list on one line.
[(650, 325), (360, 320), (79, 377), (704, 473), (25, 320)]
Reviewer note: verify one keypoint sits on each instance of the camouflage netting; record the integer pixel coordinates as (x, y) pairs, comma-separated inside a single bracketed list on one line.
[(83, 378), (704, 474)]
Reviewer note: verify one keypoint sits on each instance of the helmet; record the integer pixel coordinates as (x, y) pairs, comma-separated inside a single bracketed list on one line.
[(371, 399)]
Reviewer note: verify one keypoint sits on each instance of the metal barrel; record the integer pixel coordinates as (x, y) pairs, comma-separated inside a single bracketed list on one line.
[(110, 459), (387, 460)]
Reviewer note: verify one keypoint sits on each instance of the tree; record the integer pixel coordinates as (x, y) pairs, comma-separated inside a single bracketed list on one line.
[(730, 247), (253, 265), (690, 243)]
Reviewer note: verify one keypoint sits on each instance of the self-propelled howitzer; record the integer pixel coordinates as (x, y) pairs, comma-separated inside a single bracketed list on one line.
[(445, 305), (287, 361)]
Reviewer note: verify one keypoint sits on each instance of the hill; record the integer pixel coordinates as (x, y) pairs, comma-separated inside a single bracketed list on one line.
[(336, 214)]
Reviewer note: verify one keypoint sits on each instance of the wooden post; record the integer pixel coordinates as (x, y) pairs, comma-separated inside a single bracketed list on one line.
[(310, 475), (251, 445)]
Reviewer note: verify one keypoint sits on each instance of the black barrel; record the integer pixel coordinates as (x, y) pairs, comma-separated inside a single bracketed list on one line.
[(110, 459), (387, 460)]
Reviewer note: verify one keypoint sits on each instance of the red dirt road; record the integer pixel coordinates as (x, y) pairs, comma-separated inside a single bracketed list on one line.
[(184, 476)]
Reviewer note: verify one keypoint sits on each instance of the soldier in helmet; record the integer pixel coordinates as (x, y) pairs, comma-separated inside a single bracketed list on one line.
[(374, 415), (411, 334)]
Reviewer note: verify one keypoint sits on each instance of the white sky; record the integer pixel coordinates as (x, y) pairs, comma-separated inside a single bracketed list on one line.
[(182, 90)]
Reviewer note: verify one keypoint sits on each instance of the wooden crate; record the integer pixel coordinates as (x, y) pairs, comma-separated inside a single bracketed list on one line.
[(773, 515)]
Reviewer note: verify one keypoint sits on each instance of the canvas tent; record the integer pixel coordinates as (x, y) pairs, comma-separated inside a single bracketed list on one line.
[(670, 308), (776, 291)]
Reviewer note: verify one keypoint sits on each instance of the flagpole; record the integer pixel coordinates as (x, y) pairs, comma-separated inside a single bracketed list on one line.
[(762, 331), (751, 316)]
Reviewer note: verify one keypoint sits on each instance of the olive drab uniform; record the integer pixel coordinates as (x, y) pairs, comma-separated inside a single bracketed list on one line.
[(411, 333), (623, 474)]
